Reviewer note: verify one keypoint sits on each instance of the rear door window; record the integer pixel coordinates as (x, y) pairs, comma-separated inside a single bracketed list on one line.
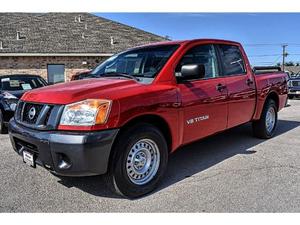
[(231, 60)]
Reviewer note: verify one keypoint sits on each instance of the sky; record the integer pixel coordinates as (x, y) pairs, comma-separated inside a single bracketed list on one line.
[(262, 34)]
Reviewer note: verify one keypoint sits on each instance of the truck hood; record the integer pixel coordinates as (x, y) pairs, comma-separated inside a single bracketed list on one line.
[(66, 93)]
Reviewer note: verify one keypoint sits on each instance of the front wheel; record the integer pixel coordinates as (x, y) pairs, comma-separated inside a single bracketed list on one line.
[(266, 125), (139, 162)]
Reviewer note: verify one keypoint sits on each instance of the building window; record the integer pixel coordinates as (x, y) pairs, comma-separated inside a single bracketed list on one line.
[(56, 73)]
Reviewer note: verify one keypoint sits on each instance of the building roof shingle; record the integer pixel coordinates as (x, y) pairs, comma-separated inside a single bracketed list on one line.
[(65, 33)]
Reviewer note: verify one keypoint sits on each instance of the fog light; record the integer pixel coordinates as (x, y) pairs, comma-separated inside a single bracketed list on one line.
[(63, 161)]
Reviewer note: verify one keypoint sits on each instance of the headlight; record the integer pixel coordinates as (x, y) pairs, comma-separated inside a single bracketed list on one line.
[(86, 113), (8, 95), (10, 100), (12, 106)]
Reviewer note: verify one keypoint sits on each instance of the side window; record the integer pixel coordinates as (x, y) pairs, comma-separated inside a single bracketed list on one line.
[(202, 54), (232, 60)]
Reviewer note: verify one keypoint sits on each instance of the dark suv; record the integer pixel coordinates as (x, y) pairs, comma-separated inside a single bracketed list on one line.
[(12, 87)]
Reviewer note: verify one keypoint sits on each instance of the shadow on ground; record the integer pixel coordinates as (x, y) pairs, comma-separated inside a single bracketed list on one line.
[(190, 159)]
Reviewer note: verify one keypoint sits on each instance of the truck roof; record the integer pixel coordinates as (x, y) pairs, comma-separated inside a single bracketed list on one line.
[(180, 42)]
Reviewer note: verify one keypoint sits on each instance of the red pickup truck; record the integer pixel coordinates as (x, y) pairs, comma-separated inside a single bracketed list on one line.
[(140, 106)]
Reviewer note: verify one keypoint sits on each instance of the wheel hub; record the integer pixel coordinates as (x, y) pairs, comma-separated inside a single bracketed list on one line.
[(140, 160), (143, 161), (270, 119)]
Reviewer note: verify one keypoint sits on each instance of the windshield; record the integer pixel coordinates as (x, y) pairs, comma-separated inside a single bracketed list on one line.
[(142, 63), (18, 83)]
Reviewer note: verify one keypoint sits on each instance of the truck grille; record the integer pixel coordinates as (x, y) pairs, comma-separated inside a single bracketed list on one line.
[(38, 116), (31, 113)]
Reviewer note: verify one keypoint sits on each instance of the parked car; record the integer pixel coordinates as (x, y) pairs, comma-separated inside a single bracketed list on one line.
[(294, 86), (12, 87), (81, 75), (146, 103)]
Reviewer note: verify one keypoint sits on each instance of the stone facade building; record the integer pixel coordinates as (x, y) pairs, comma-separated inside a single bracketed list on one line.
[(58, 45)]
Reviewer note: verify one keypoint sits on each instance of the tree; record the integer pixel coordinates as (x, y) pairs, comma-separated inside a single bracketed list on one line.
[(289, 63), (168, 37)]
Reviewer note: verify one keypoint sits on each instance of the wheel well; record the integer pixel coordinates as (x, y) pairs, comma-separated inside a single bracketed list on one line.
[(156, 121), (274, 97)]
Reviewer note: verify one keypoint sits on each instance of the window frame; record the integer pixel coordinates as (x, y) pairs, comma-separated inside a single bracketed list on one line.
[(219, 67), (220, 59)]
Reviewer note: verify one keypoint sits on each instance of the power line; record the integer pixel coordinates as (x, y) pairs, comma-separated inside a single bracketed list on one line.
[(265, 44), (266, 55), (277, 60), (261, 45)]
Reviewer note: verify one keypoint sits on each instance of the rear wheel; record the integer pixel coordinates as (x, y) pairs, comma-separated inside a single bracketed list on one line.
[(266, 125), (3, 128), (139, 162)]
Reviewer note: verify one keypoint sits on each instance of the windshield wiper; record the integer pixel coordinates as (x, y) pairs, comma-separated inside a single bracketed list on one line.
[(114, 74)]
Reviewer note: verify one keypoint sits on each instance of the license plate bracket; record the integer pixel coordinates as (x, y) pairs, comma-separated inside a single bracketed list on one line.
[(29, 158)]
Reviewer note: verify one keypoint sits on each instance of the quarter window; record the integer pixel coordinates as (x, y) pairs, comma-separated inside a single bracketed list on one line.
[(232, 60), (202, 54)]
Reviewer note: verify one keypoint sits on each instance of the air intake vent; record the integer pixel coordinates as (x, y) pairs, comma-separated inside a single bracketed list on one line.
[(19, 36), (112, 41)]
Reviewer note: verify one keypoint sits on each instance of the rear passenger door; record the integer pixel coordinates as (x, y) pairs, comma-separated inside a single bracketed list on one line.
[(203, 100), (240, 84)]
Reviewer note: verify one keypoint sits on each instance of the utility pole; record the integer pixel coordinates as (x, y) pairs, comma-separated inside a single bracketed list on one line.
[(284, 55)]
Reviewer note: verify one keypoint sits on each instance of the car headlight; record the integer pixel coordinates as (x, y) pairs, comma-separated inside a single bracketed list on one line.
[(10, 100), (86, 113)]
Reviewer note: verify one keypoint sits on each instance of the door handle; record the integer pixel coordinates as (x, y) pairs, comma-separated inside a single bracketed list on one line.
[(249, 82), (220, 87)]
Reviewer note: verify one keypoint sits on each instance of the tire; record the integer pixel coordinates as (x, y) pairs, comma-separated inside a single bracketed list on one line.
[(3, 128), (265, 127), (291, 97), (141, 149)]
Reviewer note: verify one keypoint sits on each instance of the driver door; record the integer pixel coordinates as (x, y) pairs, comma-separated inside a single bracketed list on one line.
[(203, 100)]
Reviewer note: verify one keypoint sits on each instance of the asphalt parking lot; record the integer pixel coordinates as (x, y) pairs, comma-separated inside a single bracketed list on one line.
[(229, 172)]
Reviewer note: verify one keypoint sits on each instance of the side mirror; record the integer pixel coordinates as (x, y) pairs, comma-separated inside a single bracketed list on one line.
[(193, 71)]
